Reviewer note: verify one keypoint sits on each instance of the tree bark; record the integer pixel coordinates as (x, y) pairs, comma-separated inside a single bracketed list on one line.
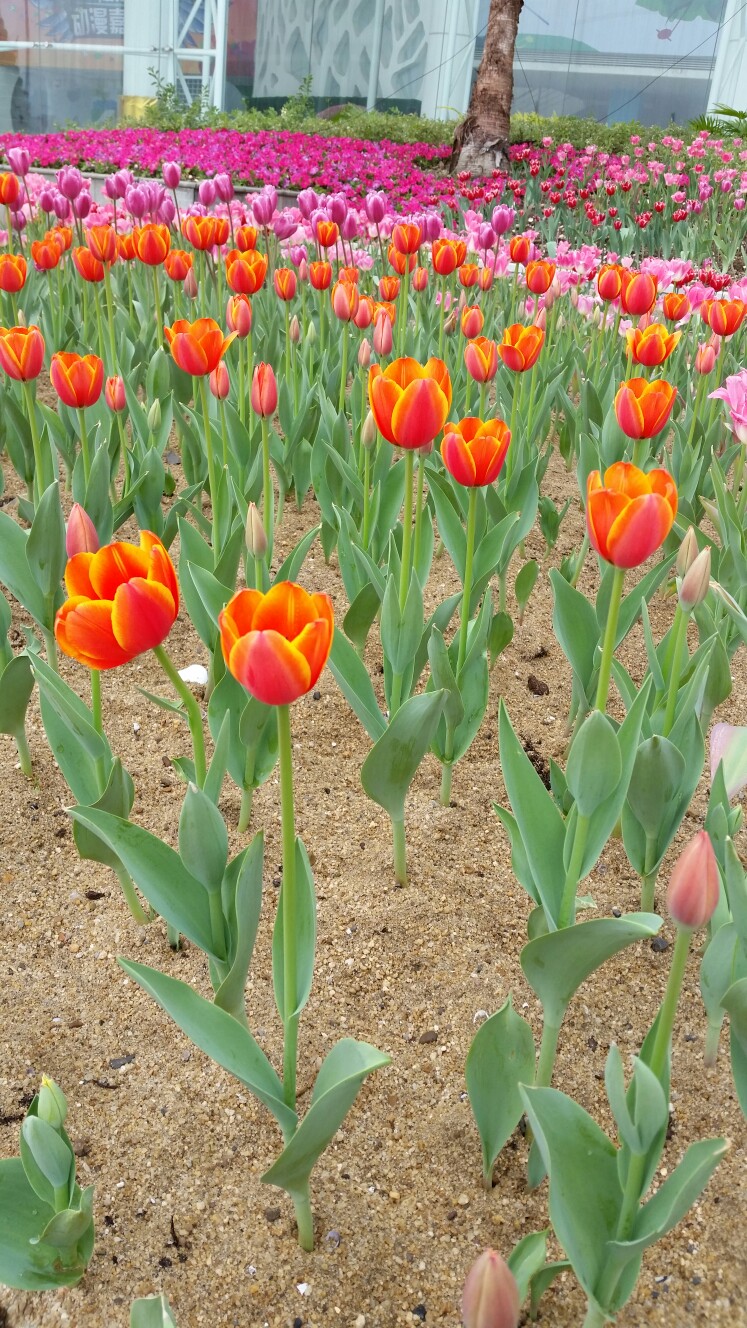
[(481, 139)]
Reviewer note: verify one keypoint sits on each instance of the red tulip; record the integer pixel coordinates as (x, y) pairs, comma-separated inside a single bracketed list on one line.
[(629, 516), (410, 401), (277, 644)]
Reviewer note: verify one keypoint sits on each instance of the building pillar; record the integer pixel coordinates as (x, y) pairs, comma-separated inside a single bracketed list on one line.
[(148, 25), (729, 82)]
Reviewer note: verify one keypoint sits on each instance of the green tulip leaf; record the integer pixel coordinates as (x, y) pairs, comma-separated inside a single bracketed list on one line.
[(117, 798), (242, 905), (500, 1058), (352, 678), (305, 935), (16, 573), (533, 806), (390, 766), (401, 631), (16, 686), (45, 546), (594, 765), (203, 838), (24, 1263), (151, 1312), (527, 1258), (80, 751), (555, 965)]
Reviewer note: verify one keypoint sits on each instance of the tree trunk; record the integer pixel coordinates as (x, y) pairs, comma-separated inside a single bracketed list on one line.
[(481, 140)]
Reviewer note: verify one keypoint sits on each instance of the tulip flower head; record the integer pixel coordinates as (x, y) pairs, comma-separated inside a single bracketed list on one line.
[(629, 514), (724, 317), (410, 401), (177, 263), (45, 254), (81, 535), (609, 281), (124, 600), (643, 408), (407, 237), (345, 300), (474, 450), (481, 359), (197, 347), (21, 352), (277, 644), (447, 255), (87, 265), (651, 345), (521, 346), (491, 1295), (264, 390), (239, 315), (676, 306), (539, 276), (246, 272), (520, 249), (705, 358), (114, 393), (77, 379), (284, 281), (734, 393), (320, 275), (472, 321), (638, 292), (382, 337), (694, 886), (103, 243), (12, 273)]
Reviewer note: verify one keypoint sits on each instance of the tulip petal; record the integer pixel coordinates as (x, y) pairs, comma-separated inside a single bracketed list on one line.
[(624, 477), (419, 414), (142, 616), (77, 576), (115, 564), (603, 507), (270, 668), (383, 396), (661, 482), (458, 460), (314, 643), (639, 530), (286, 608), (83, 629)]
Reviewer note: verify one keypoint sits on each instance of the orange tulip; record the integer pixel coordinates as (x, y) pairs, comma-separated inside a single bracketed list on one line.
[(345, 300), (320, 275), (447, 255), (200, 231), (468, 275), (419, 279), (77, 379), (609, 281), (197, 347), (481, 359), (472, 320), (62, 236), (364, 315), (519, 249), (45, 253), (103, 243), (349, 274), (410, 401), (21, 352), (239, 315), (246, 272), (651, 345), (284, 281), (399, 261), (177, 263), (521, 346), (264, 391), (127, 247), (485, 278), (676, 306), (638, 292), (407, 237), (123, 601), (88, 267), (723, 317), (629, 516), (152, 243), (277, 644), (12, 273), (389, 287), (327, 233), (10, 188), (222, 230), (246, 238), (474, 450), (114, 393), (643, 408), (539, 276)]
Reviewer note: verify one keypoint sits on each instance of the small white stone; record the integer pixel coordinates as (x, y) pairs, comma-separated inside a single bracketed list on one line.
[(303, 1288), (196, 673)]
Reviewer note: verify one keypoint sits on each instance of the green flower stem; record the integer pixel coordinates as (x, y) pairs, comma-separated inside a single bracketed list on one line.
[(268, 497), (742, 503), (24, 755), (245, 810), (51, 647), (483, 399), (530, 404), (581, 559), (573, 875), (468, 394), (84, 447), (9, 229), (400, 852), (96, 700), (419, 514), (366, 496), (288, 896), (343, 366), (40, 469), (404, 300), (130, 894), (712, 1038), (287, 341), (697, 407), (99, 324), (608, 645), (242, 388), (322, 326), (640, 452), (443, 319), (223, 431), (404, 578), (650, 877), (594, 1317), (192, 709), (157, 299), (547, 1051), (679, 637), (250, 375), (737, 474), (212, 477), (467, 588), (304, 1219)]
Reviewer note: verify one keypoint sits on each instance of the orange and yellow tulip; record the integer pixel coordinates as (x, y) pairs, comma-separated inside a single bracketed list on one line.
[(389, 287), (264, 391), (200, 231), (419, 278), (246, 238), (45, 254), (320, 274), (345, 300), (222, 230), (62, 236), (539, 276), (474, 450), (521, 346), (676, 306), (468, 274), (724, 317), (401, 262), (609, 281), (284, 281), (481, 359), (642, 407), (103, 243), (77, 379), (239, 315), (651, 345), (519, 249), (21, 352), (152, 243), (10, 188), (127, 250), (123, 601), (327, 233), (472, 320), (12, 273), (638, 292), (407, 237), (277, 644), (246, 272), (177, 263), (630, 514), (447, 255), (197, 347), (410, 401), (88, 267)]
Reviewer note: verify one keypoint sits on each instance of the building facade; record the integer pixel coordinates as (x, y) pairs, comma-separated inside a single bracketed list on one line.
[(67, 61)]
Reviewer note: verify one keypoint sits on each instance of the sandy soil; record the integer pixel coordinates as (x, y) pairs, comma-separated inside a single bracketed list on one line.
[(175, 1146)]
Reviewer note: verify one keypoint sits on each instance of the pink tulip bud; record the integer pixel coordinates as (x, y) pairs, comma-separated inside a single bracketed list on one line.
[(264, 390), (419, 279), (451, 322), (687, 553), (491, 1296), (462, 301), (382, 337), (303, 270), (114, 394), (696, 582), (294, 330), (694, 885), (190, 285), (172, 174), (239, 315), (645, 320), (540, 318), (364, 354), (256, 538), (705, 358), (363, 314), (219, 382), (80, 536)]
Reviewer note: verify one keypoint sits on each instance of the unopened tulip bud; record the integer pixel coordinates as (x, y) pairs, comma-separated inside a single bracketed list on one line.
[(81, 535), (540, 318), (364, 354), (451, 322), (574, 296), (239, 315), (256, 539), (114, 393), (644, 321), (264, 390), (311, 333), (382, 337), (294, 330), (303, 270), (219, 382), (694, 885), (687, 553), (190, 285), (696, 582), (52, 1104), (462, 300), (491, 1296), (705, 358), (154, 416), (368, 432)]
